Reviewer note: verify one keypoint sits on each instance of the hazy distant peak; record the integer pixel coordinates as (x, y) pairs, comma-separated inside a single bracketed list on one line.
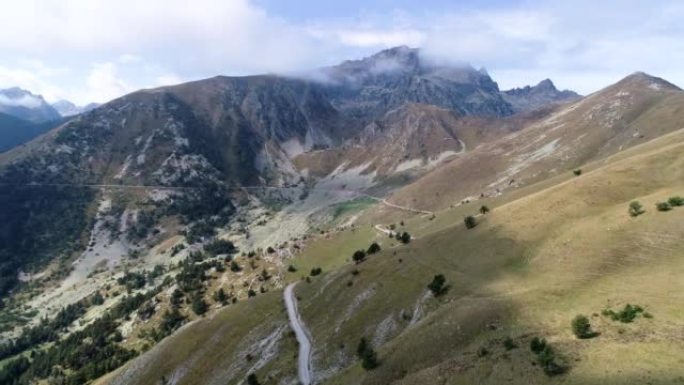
[(25, 105), (67, 108)]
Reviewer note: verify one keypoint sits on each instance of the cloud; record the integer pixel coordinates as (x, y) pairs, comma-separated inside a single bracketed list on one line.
[(92, 50), (26, 101)]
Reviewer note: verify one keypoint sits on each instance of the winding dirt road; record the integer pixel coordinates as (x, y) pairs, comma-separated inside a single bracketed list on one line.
[(305, 370)]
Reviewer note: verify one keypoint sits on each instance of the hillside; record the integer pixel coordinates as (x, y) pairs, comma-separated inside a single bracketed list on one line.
[(632, 111), (173, 217), (517, 274)]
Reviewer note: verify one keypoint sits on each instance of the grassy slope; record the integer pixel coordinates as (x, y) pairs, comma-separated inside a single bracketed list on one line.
[(616, 118), (525, 273), (546, 253)]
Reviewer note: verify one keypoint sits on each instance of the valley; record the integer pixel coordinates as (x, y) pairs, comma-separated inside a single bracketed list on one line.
[(401, 224)]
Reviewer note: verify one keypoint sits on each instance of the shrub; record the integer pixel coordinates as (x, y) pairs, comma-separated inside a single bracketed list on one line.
[(537, 345), (547, 360), (636, 209), (252, 379), (373, 248), (291, 269), (404, 237), (470, 222), (251, 293), (437, 286), (316, 271), (577, 172), (676, 201), (484, 210), (219, 246), (663, 206), (235, 267), (369, 359), (481, 352), (626, 315), (359, 256), (198, 305), (582, 328), (265, 275), (221, 297), (509, 344)]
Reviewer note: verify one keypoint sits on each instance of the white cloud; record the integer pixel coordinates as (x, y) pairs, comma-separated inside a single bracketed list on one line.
[(27, 101), (104, 83), (147, 43)]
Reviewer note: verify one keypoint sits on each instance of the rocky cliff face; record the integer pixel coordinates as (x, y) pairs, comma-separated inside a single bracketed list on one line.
[(390, 78)]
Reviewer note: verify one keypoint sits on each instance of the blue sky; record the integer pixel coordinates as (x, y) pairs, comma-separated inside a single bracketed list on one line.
[(96, 50)]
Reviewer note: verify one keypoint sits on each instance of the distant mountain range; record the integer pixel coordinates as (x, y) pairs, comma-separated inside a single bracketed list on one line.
[(26, 106), (298, 173), (66, 108), (24, 116)]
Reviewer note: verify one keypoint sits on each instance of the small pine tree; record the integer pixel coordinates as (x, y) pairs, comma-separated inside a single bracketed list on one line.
[(235, 267), (437, 286), (97, 299), (221, 297), (252, 379), (405, 237), (636, 209), (373, 248), (470, 222), (369, 359), (359, 256), (198, 305)]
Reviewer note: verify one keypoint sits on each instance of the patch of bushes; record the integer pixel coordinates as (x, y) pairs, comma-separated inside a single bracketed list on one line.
[(628, 314), (404, 237), (219, 247), (316, 271), (676, 201), (546, 357)]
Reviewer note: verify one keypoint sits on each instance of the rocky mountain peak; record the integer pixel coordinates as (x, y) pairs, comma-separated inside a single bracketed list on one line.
[(532, 97)]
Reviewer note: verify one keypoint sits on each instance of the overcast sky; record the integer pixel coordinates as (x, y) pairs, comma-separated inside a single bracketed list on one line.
[(96, 50)]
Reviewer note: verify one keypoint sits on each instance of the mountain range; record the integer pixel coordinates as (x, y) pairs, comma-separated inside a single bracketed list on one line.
[(209, 196)]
